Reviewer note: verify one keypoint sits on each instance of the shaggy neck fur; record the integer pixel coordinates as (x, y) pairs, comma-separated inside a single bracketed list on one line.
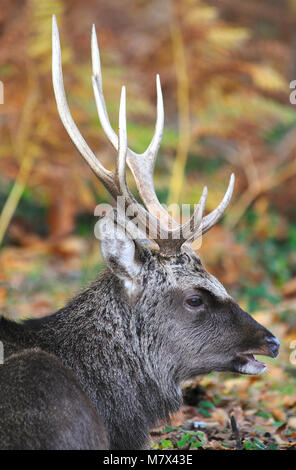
[(111, 349)]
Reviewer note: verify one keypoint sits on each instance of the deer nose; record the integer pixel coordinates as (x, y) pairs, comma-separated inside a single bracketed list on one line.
[(274, 345)]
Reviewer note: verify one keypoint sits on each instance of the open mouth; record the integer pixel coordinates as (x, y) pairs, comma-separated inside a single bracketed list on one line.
[(247, 364)]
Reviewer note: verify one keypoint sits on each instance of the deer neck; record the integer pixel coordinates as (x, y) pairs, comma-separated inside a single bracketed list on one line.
[(99, 336)]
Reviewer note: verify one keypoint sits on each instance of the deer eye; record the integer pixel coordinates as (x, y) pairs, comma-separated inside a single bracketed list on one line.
[(194, 301)]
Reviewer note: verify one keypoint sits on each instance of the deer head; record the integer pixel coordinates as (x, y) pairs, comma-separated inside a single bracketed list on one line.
[(179, 311)]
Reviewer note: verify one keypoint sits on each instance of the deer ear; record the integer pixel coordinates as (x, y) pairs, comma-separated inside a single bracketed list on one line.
[(119, 251)]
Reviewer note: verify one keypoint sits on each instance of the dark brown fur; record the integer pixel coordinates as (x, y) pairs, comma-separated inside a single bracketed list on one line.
[(130, 348)]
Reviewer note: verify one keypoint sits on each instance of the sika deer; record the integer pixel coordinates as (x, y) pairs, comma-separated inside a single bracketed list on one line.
[(153, 319)]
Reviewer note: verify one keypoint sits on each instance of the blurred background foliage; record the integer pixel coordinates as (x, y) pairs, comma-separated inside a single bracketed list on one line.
[(225, 68), (225, 71)]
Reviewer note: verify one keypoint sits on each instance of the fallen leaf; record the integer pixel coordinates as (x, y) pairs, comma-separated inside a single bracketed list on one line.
[(292, 422), (279, 414)]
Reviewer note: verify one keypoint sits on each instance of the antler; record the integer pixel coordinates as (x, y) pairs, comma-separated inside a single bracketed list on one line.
[(155, 220), (141, 165)]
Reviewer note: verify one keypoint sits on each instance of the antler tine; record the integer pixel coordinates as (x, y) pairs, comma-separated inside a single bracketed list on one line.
[(152, 150), (103, 174), (120, 173), (197, 218), (122, 141), (98, 90), (141, 165), (211, 219), (148, 222)]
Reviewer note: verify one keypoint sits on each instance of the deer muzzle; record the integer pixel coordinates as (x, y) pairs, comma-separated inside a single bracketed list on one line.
[(245, 362)]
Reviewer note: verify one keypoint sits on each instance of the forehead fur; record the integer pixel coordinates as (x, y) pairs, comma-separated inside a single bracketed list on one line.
[(185, 270)]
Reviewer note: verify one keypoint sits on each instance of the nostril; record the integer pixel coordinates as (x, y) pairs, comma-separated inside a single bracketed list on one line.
[(274, 345)]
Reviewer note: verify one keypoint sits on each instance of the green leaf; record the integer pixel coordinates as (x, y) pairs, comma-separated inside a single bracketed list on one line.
[(193, 438), (255, 445), (166, 444), (204, 407), (168, 429)]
